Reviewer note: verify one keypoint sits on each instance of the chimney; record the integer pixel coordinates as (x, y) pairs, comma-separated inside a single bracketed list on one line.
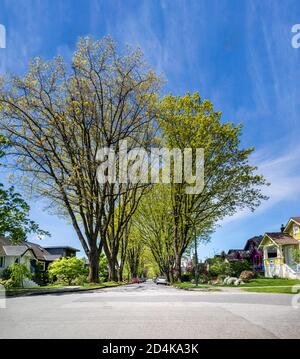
[(282, 228)]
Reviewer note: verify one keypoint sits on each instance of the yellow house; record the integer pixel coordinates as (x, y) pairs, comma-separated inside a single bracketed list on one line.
[(278, 251)]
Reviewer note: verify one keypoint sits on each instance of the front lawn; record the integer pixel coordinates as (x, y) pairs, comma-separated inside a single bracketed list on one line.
[(265, 282), (287, 290), (267, 285), (271, 282)]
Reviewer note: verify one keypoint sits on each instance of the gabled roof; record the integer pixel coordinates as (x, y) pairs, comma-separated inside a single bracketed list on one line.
[(296, 219), (7, 248), (257, 240), (4, 242), (292, 219), (15, 250), (39, 251), (281, 238)]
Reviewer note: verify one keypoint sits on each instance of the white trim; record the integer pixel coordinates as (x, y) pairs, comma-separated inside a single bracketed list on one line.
[(267, 245), (291, 220)]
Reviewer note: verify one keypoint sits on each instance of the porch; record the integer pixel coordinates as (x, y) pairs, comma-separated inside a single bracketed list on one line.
[(279, 261)]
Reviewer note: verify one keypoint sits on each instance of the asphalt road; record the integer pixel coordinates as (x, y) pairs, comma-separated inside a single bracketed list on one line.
[(151, 311)]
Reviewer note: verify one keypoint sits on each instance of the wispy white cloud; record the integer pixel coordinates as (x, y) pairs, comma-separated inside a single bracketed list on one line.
[(282, 172)]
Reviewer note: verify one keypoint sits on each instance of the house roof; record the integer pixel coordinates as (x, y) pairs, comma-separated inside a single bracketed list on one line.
[(296, 219), (256, 240), (15, 250), (230, 251), (52, 257), (63, 247), (4, 242), (9, 249), (237, 254), (282, 238)]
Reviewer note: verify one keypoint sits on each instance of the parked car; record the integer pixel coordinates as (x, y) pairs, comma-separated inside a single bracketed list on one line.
[(136, 280), (162, 280)]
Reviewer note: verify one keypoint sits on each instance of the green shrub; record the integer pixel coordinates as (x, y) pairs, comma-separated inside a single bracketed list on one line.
[(237, 267), (218, 267), (80, 280), (296, 255), (204, 278), (5, 274), (17, 273), (40, 276), (66, 270), (8, 284), (186, 277)]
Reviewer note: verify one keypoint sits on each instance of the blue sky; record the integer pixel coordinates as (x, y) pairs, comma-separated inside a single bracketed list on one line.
[(238, 54)]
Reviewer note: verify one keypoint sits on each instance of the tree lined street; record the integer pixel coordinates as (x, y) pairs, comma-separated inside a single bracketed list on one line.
[(151, 311)]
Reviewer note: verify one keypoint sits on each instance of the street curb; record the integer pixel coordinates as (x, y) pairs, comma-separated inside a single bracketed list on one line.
[(55, 291), (200, 289)]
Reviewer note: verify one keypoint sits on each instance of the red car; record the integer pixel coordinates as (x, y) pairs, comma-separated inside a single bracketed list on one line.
[(136, 280)]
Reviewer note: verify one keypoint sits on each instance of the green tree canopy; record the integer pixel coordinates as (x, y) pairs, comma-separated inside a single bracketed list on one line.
[(230, 182), (14, 211)]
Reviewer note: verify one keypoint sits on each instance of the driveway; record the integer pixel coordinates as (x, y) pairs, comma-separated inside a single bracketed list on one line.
[(153, 312)]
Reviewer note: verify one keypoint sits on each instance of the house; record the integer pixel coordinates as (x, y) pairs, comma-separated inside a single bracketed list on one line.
[(255, 254), (30, 254), (250, 252), (278, 250), (64, 251)]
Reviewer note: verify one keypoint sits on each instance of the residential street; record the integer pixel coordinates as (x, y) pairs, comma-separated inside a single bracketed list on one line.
[(151, 311)]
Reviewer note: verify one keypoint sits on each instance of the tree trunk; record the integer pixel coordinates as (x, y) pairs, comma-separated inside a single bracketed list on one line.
[(120, 273), (112, 273), (178, 267), (93, 276)]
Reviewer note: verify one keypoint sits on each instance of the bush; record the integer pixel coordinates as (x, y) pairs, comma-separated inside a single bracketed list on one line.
[(296, 255), (5, 274), (15, 274), (237, 267), (186, 277), (66, 270), (204, 278), (80, 280), (218, 267), (40, 276), (246, 275)]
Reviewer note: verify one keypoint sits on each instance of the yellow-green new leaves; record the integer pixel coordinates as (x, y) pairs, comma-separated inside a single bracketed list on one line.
[(58, 115), (230, 182)]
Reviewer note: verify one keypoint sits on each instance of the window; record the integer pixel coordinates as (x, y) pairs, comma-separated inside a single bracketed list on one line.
[(1, 262), (295, 229)]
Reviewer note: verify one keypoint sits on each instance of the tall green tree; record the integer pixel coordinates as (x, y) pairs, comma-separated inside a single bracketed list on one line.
[(153, 222), (59, 115), (230, 182)]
